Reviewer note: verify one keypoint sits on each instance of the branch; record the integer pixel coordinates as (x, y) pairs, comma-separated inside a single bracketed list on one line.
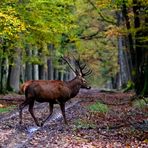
[(101, 15), (89, 37)]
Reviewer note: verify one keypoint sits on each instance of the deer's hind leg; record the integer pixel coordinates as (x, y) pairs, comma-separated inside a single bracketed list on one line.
[(31, 104), (21, 107)]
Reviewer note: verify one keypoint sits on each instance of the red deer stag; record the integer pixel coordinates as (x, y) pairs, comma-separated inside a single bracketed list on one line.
[(54, 91)]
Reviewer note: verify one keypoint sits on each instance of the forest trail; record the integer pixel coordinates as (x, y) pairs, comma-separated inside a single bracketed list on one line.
[(121, 126)]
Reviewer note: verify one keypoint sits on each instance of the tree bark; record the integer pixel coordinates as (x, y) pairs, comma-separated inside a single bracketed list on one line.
[(50, 69), (2, 74), (15, 73), (42, 75), (35, 67), (28, 67), (124, 74), (56, 74), (130, 44), (139, 76)]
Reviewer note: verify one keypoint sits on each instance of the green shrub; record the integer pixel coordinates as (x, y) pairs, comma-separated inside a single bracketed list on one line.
[(98, 107), (7, 109), (141, 103), (84, 124), (129, 86)]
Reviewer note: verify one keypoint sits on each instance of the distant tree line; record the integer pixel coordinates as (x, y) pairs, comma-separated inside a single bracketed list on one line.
[(110, 35)]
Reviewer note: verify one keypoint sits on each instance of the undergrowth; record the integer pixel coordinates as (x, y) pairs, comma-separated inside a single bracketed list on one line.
[(141, 103), (98, 107), (84, 124), (7, 109), (89, 122)]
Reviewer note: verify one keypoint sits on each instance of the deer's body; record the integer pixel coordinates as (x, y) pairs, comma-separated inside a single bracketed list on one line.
[(53, 92), (24, 86)]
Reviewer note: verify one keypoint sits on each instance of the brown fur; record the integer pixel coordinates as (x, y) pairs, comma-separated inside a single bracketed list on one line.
[(52, 91), (24, 86)]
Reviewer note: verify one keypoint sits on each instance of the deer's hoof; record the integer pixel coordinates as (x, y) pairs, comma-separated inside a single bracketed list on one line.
[(38, 124), (42, 123), (66, 123)]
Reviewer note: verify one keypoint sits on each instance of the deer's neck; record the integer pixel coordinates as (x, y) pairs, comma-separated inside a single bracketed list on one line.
[(74, 85)]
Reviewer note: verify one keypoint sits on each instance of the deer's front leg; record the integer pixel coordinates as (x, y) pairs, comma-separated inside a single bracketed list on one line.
[(62, 106), (51, 111)]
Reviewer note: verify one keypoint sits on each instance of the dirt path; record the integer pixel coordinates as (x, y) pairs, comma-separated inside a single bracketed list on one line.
[(116, 128)]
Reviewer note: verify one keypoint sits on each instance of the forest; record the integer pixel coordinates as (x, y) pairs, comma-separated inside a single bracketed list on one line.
[(109, 36)]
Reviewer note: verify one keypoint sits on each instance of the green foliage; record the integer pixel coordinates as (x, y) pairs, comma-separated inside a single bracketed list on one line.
[(94, 108), (7, 109), (141, 103), (35, 23), (84, 124), (11, 26), (98, 107), (47, 19), (77, 27), (129, 86), (94, 41)]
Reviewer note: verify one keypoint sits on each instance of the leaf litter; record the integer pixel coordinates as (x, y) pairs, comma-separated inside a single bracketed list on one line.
[(121, 125)]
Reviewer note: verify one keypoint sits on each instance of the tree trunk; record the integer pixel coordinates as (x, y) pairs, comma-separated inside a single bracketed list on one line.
[(130, 44), (28, 67), (35, 67), (2, 74), (42, 75), (139, 76), (124, 75), (145, 59), (15, 73), (35, 74), (56, 74), (145, 87), (22, 74), (62, 75), (50, 69), (71, 73)]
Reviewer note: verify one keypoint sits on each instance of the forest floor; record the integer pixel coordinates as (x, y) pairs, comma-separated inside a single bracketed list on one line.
[(118, 123)]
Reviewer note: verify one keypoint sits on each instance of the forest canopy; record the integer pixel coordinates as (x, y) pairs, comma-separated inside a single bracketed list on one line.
[(110, 36)]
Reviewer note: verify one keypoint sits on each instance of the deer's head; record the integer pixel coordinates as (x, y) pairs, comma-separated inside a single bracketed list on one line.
[(80, 72)]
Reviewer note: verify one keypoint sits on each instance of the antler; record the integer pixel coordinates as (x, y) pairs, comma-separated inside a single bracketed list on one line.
[(83, 69), (75, 71)]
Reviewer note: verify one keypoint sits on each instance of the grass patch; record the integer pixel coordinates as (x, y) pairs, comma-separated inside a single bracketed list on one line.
[(84, 124), (98, 107), (90, 122), (7, 109), (141, 103)]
